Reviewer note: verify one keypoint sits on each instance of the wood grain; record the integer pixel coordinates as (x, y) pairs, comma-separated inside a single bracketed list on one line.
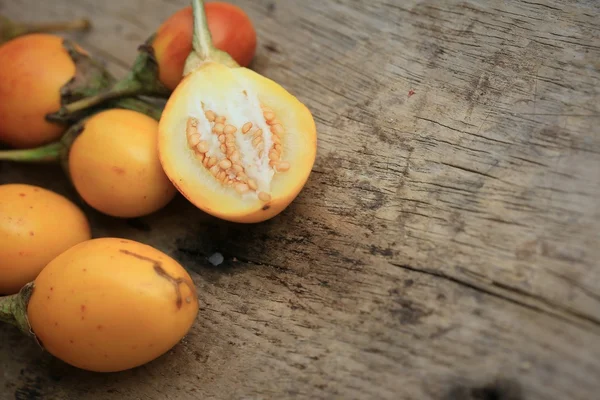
[(446, 244)]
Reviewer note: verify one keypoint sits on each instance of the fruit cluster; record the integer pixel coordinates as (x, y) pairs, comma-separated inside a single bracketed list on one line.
[(236, 144)]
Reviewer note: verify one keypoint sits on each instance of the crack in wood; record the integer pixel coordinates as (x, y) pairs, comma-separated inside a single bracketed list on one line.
[(571, 315)]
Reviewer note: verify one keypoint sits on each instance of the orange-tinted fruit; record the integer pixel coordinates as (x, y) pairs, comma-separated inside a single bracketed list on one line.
[(36, 225), (111, 304), (114, 164), (231, 29), (33, 68)]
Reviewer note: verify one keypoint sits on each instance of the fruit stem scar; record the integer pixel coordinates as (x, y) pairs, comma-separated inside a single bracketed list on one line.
[(160, 271)]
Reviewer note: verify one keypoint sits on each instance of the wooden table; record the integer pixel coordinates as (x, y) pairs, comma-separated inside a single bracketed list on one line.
[(447, 244)]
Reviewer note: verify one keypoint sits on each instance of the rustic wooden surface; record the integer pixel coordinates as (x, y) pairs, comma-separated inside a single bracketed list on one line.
[(447, 244)]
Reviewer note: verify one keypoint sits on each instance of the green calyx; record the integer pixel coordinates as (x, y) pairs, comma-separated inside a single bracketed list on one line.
[(90, 76), (13, 309), (93, 86), (141, 80)]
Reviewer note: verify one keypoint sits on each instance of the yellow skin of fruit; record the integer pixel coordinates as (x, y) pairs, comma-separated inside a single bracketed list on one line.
[(299, 142), (36, 225), (114, 165), (104, 305), (29, 92)]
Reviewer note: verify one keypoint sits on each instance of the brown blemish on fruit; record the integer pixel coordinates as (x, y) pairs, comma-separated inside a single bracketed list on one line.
[(82, 308), (31, 233), (118, 170), (266, 207), (71, 341), (99, 327), (22, 194), (163, 274)]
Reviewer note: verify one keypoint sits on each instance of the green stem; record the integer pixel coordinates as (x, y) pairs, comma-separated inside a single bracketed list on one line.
[(54, 152), (48, 153), (203, 49), (124, 88), (202, 42), (141, 80), (131, 103), (13, 309)]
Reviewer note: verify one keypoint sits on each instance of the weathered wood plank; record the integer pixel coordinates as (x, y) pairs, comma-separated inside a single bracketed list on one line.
[(445, 240)]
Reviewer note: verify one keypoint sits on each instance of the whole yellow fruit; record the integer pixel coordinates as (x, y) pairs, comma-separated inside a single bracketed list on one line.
[(111, 304), (36, 225)]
